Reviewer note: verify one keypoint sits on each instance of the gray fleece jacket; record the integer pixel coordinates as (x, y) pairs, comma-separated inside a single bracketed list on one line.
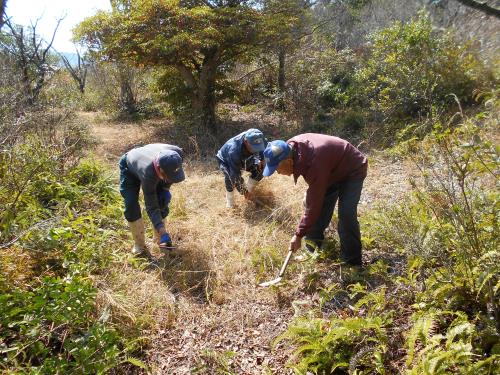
[(140, 164)]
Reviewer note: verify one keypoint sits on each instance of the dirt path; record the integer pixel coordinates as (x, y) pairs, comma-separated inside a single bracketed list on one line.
[(115, 138), (222, 321)]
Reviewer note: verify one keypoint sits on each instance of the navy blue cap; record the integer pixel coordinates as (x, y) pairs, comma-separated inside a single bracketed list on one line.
[(170, 163), (275, 153), (255, 139)]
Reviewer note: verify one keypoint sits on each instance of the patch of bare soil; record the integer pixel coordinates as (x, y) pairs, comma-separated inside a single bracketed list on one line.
[(236, 336)]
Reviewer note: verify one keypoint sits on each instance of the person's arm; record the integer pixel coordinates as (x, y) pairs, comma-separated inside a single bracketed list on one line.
[(315, 197), (149, 188), (234, 168)]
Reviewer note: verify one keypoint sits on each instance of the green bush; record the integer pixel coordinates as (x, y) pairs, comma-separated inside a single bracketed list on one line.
[(72, 216), (450, 352), (412, 71), (318, 81), (49, 329), (453, 218)]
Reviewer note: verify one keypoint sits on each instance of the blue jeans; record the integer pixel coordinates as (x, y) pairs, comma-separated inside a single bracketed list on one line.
[(347, 193), (129, 189)]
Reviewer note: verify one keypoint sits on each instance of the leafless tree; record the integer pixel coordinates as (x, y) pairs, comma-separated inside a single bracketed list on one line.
[(78, 71), (31, 54)]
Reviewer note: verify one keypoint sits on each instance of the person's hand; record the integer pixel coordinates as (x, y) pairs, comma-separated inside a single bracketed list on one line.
[(295, 243), (165, 241)]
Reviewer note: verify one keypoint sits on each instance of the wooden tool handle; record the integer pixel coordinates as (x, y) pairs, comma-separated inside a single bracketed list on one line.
[(283, 267)]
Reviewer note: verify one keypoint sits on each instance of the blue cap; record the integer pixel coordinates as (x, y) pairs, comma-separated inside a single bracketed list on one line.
[(171, 163), (255, 139), (275, 153)]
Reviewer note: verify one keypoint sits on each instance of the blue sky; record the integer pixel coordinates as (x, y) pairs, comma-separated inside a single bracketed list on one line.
[(48, 11)]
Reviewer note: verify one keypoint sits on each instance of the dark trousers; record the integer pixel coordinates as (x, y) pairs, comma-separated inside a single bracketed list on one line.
[(347, 193), (249, 165), (129, 189)]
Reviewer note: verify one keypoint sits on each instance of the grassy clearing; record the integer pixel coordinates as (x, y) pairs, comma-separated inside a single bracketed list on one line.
[(198, 310)]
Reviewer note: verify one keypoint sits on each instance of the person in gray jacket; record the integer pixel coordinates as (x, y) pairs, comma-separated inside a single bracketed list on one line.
[(154, 167)]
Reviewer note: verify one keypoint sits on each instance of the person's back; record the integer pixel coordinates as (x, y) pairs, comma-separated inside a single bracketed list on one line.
[(328, 158), (139, 159), (231, 150)]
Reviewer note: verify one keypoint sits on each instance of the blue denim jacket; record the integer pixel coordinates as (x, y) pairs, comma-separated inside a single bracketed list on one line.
[(234, 156)]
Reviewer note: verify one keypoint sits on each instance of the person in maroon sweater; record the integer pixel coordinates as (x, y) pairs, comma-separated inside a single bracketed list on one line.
[(334, 170)]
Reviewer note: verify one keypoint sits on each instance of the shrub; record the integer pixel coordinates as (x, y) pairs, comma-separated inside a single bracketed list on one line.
[(412, 71), (50, 323), (49, 329), (430, 352)]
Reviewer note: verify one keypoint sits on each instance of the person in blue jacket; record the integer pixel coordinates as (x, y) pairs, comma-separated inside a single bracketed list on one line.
[(154, 168), (242, 152)]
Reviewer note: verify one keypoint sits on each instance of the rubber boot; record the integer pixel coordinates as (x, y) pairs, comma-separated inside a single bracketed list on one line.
[(251, 184), (229, 199), (137, 230)]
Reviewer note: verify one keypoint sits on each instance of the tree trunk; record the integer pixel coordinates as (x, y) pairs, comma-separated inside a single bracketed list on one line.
[(204, 109), (203, 99), (206, 94), (127, 98), (281, 79)]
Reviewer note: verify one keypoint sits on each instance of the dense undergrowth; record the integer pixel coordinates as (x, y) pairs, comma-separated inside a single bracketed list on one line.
[(66, 221), (436, 311)]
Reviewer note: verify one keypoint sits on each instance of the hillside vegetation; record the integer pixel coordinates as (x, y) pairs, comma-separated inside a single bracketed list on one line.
[(402, 81)]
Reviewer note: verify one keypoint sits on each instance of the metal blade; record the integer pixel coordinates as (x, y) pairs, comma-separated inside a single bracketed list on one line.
[(271, 282), (282, 271)]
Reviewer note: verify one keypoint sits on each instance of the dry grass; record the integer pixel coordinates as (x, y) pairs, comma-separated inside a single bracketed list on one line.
[(200, 302), (136, 299)]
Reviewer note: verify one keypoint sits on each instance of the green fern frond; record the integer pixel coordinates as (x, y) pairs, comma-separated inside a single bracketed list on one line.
[(421, 330), (462, 329)]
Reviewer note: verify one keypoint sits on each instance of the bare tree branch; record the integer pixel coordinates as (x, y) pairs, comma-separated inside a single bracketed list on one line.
[(79, 73), (31, 56), (3, 4), (482, 6)]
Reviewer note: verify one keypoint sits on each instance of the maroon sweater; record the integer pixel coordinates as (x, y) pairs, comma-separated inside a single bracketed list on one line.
[(323, 160)]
